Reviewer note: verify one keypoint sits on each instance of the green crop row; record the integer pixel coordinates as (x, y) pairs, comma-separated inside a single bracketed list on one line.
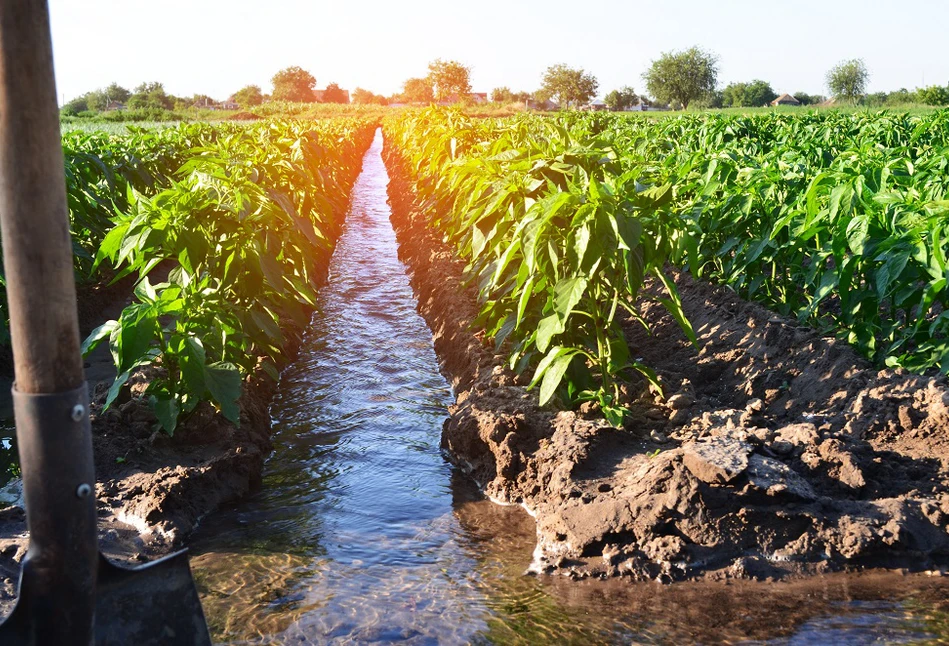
[(841, 220), (100, 171), (559, 239), (233, 245), (837, 219)]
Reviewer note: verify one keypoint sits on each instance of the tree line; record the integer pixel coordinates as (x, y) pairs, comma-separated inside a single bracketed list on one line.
[(678, 79), (293, 84)]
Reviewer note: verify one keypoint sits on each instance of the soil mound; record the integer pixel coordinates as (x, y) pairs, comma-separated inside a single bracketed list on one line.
[(771, 451)]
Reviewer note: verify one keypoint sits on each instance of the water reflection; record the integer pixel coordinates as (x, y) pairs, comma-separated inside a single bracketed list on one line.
[(362, 532)]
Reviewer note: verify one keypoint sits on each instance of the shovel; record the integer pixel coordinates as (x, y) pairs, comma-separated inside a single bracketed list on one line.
[(69, 593)]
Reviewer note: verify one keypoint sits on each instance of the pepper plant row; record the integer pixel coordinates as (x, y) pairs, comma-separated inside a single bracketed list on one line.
[(841, 220), (837, 219), (100, 170), (235, 244), (558, 237)]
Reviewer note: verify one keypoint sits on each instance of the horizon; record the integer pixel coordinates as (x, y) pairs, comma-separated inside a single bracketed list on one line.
[(235, 44)]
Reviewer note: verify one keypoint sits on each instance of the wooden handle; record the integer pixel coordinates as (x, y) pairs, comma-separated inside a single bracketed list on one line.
[(37, 250)]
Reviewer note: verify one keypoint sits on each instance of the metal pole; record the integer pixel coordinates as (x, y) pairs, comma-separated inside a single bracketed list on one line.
[(50, 403)]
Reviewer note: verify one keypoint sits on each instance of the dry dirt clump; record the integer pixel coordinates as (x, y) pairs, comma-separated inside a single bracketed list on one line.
[(772, 450)]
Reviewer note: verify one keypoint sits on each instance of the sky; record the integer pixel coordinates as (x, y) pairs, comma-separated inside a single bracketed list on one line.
[(215, 47)]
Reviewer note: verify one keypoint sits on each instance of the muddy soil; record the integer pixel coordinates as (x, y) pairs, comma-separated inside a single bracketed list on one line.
[(152, 489), (772, 452)]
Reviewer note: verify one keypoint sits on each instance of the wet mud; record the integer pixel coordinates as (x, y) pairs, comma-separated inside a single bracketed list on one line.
[(772, 451)]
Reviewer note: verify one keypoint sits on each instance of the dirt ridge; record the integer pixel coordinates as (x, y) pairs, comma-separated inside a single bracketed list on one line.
[(779, 452)]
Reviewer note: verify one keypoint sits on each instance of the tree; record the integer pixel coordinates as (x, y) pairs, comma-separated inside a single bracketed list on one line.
[(759, 93), (848, 80), (248, 96), (621, 99), (361, 96), (418, 91), (568, 86), (521, 97), (933, 95), (449, 78), (709, 100), (116, 92), (293, 84), (75, 106), (681, 77), (96, 100), (755, 94), (365, 97), (334, 94), (541, 96), (733, 96), (809, 99), (502, 95), (151, 96), (901, 96)]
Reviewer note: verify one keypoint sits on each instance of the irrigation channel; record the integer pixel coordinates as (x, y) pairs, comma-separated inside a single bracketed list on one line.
[(363, 532)]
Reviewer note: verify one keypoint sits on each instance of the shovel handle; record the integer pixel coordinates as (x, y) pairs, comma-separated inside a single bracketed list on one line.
[(57, 587), (37, 249)]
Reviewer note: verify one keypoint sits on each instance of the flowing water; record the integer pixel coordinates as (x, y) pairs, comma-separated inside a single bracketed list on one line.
[(363, 532)]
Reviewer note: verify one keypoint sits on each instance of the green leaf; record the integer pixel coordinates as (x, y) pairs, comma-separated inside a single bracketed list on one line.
[(98, 335), (554, 373), (266, 324), (116, 388), (137, 331), (192, 362), (889, 271), (581, 239), (548, 327), (477, 242), (673, 305), (166, 410), (628, 231), (858, 234), (567, 293), (522, 301), (614, 415), (110, 245), (268, 366), (272, 271), (145, 292), (224, 383)]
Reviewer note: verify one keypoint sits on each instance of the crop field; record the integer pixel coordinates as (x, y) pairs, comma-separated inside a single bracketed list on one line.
[(837, 219), (700, 346), (237, 221)]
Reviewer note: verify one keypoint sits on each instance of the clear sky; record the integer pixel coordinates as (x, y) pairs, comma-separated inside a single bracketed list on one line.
[(215, 47)]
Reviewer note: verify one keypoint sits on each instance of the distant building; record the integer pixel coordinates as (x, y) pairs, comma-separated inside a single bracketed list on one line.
[(479, 97), (785, 99), (596, 106), (229, 104), (114, 105)]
